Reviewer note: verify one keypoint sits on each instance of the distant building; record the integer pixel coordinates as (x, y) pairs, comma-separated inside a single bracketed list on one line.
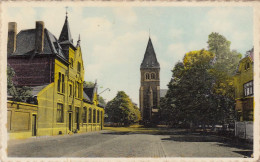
[(149, 92), (244, 88), (54, 69)]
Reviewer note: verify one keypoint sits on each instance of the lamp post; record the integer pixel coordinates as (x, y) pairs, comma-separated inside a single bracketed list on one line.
[(104, 91)]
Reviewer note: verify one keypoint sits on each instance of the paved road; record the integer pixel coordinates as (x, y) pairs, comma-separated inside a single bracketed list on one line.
[(127, 144)]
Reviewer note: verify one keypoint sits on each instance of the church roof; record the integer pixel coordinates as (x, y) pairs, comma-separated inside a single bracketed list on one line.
[(150, 60), (65, 35)]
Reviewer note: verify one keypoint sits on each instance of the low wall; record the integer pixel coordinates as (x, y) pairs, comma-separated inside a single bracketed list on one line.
[(244, 130), (21, 119)]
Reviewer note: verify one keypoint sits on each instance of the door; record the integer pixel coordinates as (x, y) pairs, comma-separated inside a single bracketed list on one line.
[(34, 125), (70, 118), (77, 117)]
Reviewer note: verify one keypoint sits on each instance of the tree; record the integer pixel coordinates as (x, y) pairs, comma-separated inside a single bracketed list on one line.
[(18, 93), (225, 64), (201, 89), (121, 110)]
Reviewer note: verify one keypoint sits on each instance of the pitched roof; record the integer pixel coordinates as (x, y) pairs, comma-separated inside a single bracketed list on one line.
[(25, 44), (37, 89), (150, 60), (89, 92), (65, 35)]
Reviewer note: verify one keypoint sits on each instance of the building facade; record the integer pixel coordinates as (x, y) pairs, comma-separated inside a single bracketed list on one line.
[(54, 69), (149, 93), (244, 88)]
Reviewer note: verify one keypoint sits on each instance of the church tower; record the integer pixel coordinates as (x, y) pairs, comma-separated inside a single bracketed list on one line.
[(149, 93)]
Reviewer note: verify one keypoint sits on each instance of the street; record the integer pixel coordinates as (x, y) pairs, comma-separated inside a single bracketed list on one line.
[(109, 143)]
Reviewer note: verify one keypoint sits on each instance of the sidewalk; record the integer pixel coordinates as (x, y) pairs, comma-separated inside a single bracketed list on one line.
[(45, 138)]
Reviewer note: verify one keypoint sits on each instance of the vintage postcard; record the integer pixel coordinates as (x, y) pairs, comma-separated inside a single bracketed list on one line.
[(136, 81)]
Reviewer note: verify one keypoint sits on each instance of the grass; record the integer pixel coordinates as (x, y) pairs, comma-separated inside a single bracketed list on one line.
[(134, 128)]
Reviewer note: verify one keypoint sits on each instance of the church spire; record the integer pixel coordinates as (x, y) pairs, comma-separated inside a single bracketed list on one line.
[(65, 35), (150, 60)]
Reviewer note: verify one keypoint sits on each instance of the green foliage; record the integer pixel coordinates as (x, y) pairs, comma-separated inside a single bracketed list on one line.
[(18, 93), (225, 64), (87, 84), (201, 90), (121, 110)]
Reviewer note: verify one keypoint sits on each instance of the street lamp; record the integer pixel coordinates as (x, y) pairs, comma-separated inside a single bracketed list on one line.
[(104, 91)]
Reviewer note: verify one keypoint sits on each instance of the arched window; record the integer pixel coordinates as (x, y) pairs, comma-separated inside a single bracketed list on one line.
[(147, 76), (153, 76), (94, 116), (84, 115), (98, 116), (89, 115)]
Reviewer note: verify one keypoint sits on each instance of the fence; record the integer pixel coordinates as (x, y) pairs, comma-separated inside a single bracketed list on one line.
[(244, 130)]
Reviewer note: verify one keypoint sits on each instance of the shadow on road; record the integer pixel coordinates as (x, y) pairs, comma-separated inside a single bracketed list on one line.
[(115, 133), (192, 138), (245, 153)]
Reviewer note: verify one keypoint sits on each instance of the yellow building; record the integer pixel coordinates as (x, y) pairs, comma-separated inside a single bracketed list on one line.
[(54, 69), (244, 88)]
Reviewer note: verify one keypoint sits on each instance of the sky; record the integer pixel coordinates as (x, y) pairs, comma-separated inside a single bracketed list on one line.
[(114, 39)]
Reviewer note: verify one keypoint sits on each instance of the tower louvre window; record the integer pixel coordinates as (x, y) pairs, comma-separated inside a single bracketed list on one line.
[(152, 76), (147, 76)]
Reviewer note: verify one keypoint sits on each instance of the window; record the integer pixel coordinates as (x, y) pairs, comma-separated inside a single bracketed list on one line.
[(147, 76), (248, 88), (63, 83), (98, 116), (89, 115), (79, 90), (76, 89), (84, 115), (153, 76), (79, 67), (247, 66), (59, 80), (94, 116), (70, 89), (71, 62), (60, 113)]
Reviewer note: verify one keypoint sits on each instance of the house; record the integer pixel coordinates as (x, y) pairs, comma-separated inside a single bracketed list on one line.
[(244, 88), (54, 69)]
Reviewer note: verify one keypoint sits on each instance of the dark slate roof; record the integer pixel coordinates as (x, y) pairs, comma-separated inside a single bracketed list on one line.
[(37, 89), (89, 92), (25, 44), (65, 35), (86, 96), (163, 92), (150, 60)]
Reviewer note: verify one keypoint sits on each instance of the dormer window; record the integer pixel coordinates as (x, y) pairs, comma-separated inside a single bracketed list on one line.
[(79, 67), (71, 62), (247, 66)]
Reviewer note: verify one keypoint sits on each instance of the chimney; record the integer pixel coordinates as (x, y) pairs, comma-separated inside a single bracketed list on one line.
[(39, 36), (11, 40)]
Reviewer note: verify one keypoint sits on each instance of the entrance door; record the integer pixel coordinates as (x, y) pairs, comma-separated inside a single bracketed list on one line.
[(77, 117), (70, 118), (34, 125)]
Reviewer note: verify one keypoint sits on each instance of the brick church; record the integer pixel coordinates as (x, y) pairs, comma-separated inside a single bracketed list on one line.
[(150, 92)]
